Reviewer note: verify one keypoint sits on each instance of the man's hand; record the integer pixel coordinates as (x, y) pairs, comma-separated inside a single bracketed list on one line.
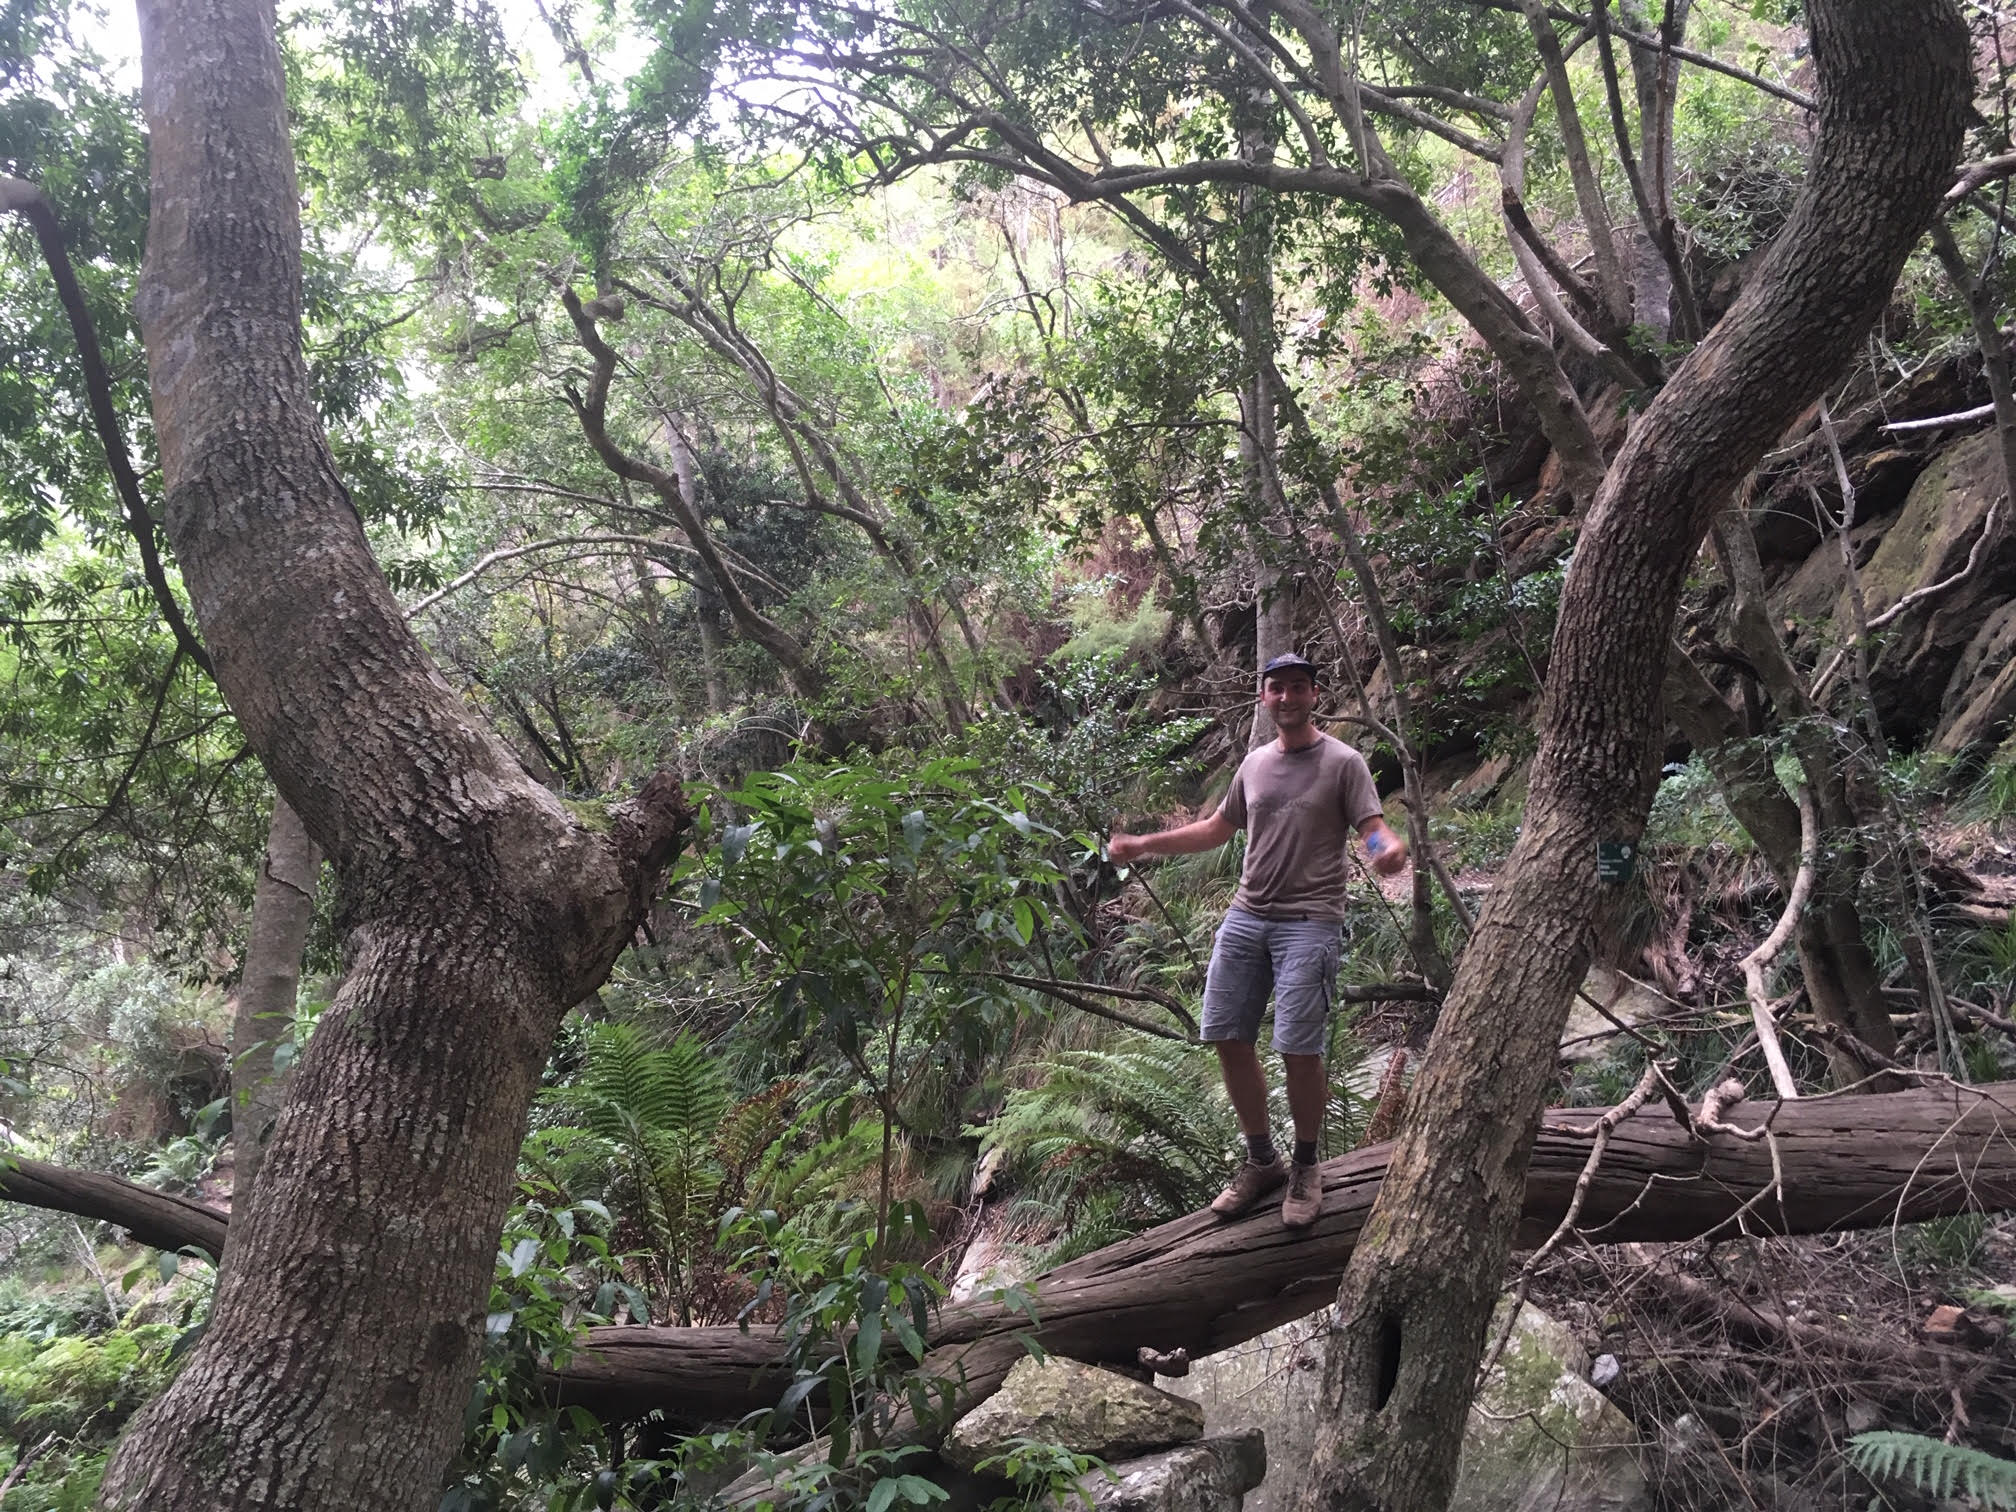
[(1387, 850), (1123, 849)]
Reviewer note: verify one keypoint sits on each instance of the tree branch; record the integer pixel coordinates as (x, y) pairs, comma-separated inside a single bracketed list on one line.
[(28, 201), (1757, 961)]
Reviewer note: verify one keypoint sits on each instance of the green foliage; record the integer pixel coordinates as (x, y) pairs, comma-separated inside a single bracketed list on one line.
[(1043, 1474), (1107, 1142), (1993, 795), (555, 1276), (646, 1121), (1934, 1467), (1958, 1243), (69, 1394), (873, 907), (1478, 836), (855, 1334), (1103, 632), (1097, 752), (1688, 811)]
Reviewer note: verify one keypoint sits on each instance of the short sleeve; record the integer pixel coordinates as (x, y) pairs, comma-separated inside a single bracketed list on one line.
[(1234, 807), (1358, 794)]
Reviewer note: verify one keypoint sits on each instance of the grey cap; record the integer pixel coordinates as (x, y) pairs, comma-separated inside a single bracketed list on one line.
[(1288, 661)]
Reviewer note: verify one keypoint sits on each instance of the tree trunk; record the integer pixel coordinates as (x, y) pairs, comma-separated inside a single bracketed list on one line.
[(1418, 1294), (1203, 1285), (283, 909), (1847, 986), (710, 653), (344, 1336), (1260, 476)]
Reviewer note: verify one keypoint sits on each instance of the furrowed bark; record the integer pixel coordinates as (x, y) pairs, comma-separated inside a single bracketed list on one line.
[(1418, 1294), (344, 1336), (1203, 1285)]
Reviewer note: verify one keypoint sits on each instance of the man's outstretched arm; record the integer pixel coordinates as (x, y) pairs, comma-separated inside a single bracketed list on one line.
[(1184, 840)]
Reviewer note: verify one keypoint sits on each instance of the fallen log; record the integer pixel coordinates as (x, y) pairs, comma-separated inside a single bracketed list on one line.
[(1201, 1285), (154, 1218)]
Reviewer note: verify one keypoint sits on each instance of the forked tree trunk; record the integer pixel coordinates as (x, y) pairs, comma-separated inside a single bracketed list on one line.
[(1419, 1291), (344, 1336), (283, 911)]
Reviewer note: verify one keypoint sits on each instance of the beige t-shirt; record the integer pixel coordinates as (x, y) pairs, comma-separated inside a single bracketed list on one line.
[(1299, 809)]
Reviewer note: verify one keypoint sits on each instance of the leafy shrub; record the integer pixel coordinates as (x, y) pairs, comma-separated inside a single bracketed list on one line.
[(1688, 811), (1103, 632), (81, 1388)]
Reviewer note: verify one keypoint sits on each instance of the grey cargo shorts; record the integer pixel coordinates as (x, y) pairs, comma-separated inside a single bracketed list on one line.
[(1295, 959)]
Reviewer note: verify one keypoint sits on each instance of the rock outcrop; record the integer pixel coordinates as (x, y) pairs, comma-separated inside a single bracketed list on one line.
[(1922, 653), (1540, 1436), (1212, 1475), (1082, 1407)]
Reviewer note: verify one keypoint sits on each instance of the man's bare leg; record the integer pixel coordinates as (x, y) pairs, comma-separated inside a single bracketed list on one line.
[(1246, 1085), (1308, 1095)]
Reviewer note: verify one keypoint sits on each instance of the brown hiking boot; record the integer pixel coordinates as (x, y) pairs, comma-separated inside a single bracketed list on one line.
[(1252, 1182), (1304, 1201)]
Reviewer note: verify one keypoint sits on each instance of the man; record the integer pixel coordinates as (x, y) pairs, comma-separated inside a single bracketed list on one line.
[(1298, 798)]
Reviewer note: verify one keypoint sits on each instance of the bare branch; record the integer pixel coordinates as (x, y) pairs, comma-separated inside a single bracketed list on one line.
[(511, 553), (1759, 960), (1940, 422), (1979, 175)]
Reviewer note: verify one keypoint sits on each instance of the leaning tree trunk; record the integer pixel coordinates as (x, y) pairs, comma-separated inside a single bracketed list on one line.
[(344, 1337), (1417, 1297), (283, 910)]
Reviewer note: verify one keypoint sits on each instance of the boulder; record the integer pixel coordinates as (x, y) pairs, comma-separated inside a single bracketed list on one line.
[(1588, 1035), (1513, 1460), (1212, 1475), (1537, 1400), (1082, 1407), (1272, 1384), (1930, 542), (1980, 702)]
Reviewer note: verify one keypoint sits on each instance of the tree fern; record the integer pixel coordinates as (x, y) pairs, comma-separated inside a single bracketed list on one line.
[(657, 1112), (1144, 1122), (1934, 1467)]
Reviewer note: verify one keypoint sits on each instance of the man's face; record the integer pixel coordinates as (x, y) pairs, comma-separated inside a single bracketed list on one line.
[(1289, 697)]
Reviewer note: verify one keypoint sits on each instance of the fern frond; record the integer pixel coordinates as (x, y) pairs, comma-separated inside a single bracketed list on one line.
[(1934, 1467)]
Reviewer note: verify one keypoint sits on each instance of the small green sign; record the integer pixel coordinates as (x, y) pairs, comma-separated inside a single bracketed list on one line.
[(1615, 860)]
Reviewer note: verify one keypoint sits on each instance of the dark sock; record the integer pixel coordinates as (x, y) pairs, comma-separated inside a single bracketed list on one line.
[(1260, 1149), (1305, 1152)]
